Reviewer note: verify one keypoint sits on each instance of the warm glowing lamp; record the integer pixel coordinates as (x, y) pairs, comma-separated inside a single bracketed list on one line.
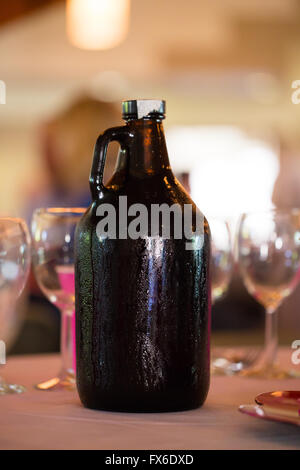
[(97, 24)]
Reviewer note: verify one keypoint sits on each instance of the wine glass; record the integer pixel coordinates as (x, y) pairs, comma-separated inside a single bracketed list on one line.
[(221, 257), (223, 362), (53, 231), (14, 269), (269, 260)]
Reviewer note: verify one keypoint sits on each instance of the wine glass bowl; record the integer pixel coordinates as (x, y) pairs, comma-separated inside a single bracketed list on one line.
[(53, 232), (269, 260), (14, 269)]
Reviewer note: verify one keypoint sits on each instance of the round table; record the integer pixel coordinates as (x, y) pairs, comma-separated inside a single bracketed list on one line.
[(57, 420)]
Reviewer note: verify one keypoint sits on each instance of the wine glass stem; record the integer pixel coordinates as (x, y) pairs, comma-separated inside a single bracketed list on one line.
[(66, 341), (271, 337)]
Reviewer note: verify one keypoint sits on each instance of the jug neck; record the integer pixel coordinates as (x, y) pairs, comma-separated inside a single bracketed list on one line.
[(147, 152)]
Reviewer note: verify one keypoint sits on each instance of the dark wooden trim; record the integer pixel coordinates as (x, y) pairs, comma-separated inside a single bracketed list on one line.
[(11, 10)]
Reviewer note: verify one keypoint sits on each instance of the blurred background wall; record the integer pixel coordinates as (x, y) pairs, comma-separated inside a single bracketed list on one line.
[(225, 68), (216, 62)]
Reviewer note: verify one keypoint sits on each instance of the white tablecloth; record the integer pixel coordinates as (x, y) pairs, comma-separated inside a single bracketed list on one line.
[(56, 420)]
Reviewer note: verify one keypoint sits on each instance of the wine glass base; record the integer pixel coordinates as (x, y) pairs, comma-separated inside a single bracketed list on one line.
[(8, 389), (231, 362), (65, 381), (269, 372)]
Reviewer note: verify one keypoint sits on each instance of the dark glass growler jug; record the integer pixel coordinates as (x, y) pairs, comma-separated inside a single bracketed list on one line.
[(142, 302)]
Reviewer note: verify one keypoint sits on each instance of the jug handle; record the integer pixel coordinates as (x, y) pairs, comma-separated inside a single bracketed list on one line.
[(118, 134)]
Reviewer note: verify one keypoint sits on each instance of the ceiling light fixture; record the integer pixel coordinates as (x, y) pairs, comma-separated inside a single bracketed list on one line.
[(97, 24)]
